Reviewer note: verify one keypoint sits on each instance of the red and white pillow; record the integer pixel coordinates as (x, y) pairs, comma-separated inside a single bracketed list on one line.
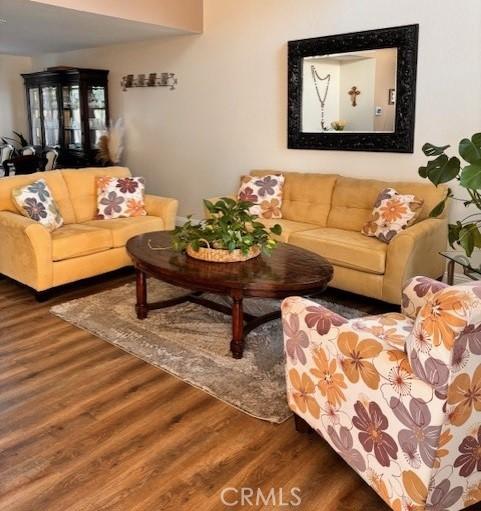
[(265, 193), (120, 197)]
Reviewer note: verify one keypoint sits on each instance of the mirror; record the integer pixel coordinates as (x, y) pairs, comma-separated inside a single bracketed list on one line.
[(350, 92), (353, 91)]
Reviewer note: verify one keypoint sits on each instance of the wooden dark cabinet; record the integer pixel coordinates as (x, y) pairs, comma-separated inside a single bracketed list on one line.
[(68, 108)]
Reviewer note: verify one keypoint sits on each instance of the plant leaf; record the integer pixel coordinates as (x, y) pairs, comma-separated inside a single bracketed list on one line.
[(443, 169), (432, 150), (467, 238), (276, 229), (423, 172), (471, 177), (476, 140), (469, 151), (453, 233), (438, 209)]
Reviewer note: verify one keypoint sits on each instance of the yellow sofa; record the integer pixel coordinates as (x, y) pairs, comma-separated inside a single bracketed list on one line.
[(84, 246), (324, 213)]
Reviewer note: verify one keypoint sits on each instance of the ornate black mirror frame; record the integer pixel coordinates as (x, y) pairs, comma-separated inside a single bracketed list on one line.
[(405, 39)]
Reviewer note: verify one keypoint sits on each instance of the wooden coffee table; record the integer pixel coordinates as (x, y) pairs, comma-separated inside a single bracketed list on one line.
[(288, 271)]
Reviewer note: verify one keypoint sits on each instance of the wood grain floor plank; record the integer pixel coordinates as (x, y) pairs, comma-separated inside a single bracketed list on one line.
[(85, 426)]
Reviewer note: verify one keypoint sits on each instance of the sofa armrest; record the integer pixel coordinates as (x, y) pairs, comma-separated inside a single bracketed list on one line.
[(26, 251), (163, 207), (415, 251)]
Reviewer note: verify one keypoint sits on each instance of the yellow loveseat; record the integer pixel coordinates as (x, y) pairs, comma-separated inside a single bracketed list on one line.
[(84, 246), (324, 213)]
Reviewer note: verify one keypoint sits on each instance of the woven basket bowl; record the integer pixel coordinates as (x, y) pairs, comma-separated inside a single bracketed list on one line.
[(214, 255)]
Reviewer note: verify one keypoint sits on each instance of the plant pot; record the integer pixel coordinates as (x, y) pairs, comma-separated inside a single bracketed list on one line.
[(215, 255)]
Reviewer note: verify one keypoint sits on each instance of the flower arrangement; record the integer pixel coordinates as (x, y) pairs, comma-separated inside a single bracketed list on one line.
[(338, 125), (442, 169), (229, 228), (111, 144)]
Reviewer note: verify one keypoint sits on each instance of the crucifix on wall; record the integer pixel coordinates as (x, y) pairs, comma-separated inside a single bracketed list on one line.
[(354, 93)]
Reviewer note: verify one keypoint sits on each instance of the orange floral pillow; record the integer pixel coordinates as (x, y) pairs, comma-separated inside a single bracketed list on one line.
[(265, 193), (391, 214), (120, 197)]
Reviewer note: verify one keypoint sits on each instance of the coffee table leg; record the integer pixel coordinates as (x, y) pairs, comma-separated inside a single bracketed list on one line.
[(141, 289), (237, 343)]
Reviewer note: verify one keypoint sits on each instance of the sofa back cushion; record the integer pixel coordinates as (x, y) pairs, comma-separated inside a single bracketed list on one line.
[(56, 184), (306, 197), (81, 185), (353, 199)]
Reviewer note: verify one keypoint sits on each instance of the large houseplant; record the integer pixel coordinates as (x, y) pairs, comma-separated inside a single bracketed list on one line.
[(443, 169), (230, 233)]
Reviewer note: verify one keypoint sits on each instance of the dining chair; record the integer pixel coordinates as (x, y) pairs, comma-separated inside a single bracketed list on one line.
[(24, 165), (51, 155), (28, 150)]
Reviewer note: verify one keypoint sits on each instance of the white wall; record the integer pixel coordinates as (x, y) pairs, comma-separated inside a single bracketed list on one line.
[(386, 71), (229, 112), (361, 74), (13, 113)]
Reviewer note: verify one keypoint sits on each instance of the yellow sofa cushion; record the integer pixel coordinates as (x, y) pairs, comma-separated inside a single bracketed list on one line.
[(344, 248), (83, 191), (288, 227), (122, 229), (305, 197), (56, 184), (353, 199), (75, 240)]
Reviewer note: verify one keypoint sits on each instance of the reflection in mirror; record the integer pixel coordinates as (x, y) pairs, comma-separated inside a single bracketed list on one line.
[(350, 92)]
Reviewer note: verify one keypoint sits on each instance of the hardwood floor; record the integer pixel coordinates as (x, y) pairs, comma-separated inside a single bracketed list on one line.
[(85, 426)]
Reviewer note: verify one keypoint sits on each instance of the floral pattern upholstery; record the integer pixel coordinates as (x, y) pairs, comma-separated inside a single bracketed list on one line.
[(120, 197), (265, 193), (391, 214), (36, 201), (398, 395)]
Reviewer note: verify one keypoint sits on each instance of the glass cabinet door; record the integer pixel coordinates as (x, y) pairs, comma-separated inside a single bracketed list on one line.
[(72, 125), (36, 120), (50, 115), (97, 108)]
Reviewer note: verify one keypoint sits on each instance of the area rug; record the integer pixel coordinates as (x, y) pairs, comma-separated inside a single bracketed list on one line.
[(192, 343)]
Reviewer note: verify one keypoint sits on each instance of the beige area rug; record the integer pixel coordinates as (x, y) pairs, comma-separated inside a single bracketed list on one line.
[(192, 343)]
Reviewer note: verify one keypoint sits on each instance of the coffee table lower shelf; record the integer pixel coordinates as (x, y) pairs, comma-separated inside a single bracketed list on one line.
[(242, 322)]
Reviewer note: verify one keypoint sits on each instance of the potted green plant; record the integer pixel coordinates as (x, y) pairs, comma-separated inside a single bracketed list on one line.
[(231, 233), (443, 169)]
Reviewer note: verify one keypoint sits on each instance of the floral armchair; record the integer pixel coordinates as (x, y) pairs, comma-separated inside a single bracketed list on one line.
[(398, 396)]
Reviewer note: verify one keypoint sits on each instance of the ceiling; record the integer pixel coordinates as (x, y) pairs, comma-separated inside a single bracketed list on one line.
[(33, 28)]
